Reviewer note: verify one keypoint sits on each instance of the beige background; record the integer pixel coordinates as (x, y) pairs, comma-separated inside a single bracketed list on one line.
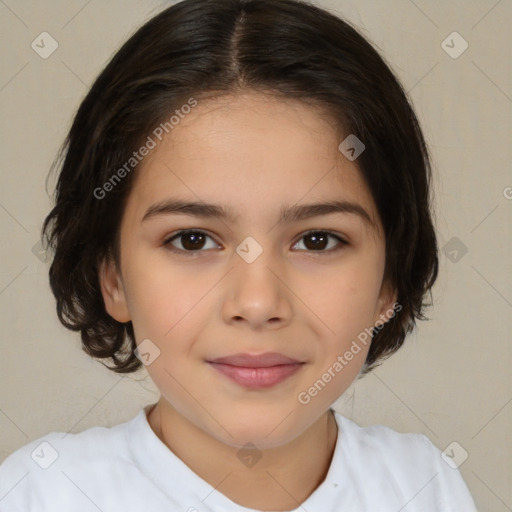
[(452, 379)]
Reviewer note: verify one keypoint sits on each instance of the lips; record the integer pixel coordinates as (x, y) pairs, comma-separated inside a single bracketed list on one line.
[(256, 371), (256, 361)]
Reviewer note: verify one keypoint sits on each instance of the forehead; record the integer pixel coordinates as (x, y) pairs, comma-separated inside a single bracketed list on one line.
[(229, 128), (252, 153)]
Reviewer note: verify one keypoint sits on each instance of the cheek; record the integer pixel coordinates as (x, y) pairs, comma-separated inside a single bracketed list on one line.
[(162, 300), (343, 303), (344, 299), (345, 309)]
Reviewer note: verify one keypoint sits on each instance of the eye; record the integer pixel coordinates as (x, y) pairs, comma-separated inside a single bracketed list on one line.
[(318, 241), (190, 240)]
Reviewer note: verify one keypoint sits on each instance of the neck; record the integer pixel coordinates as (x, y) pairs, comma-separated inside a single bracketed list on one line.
[(282, 479)]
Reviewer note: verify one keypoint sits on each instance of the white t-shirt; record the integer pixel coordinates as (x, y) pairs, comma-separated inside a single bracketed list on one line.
[(127, 468)]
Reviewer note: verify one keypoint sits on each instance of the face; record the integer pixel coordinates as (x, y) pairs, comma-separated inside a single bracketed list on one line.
[(303, 285)]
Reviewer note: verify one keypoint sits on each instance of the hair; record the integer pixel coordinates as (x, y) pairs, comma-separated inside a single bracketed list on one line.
[(203, 48)]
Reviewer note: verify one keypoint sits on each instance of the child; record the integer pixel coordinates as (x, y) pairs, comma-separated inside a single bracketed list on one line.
[(243, 208)]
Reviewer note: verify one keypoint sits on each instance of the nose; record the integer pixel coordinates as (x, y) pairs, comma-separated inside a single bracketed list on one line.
[(257, 294)]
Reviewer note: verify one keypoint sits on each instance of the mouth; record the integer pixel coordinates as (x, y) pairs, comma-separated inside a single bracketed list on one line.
[(257, 371)]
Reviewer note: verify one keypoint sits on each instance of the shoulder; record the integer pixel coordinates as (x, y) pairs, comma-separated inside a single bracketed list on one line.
[(63, 449), (382, 448), (31, 474), (402, 464), (382, 440)]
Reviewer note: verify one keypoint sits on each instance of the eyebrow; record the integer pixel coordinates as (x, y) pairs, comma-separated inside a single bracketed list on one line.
[(287, 214)]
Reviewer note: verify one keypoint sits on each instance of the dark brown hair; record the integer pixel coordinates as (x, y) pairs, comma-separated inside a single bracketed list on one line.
[(199, 48)]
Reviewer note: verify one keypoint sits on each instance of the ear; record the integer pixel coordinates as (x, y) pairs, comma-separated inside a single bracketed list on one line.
[(113, 291), (388, 297)]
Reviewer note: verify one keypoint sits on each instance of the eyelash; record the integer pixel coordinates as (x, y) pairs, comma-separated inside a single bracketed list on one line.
[(167, 242)]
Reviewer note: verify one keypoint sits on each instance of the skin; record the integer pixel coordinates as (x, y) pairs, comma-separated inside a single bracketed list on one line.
[(255, 154)]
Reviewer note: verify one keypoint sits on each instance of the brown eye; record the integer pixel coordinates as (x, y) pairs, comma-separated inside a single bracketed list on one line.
[(189, 241), (318, 241), (194, 241)]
